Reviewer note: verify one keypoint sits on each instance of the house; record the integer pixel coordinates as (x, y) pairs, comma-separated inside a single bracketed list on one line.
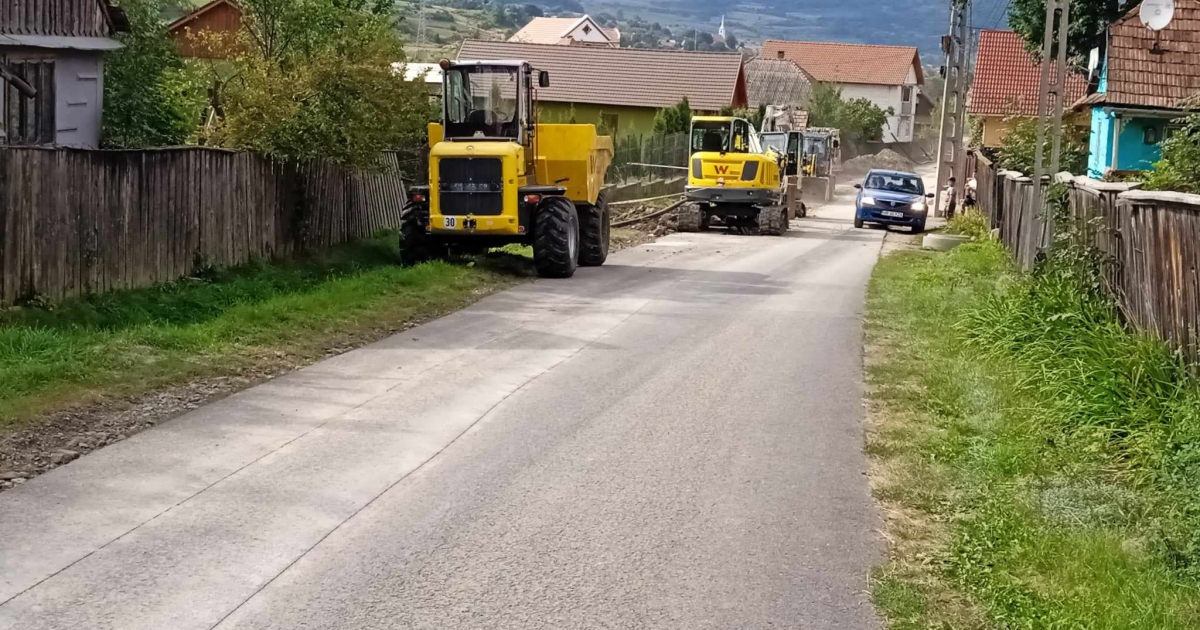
[(888, 76), (1007, 81), (621, 89), (580, 31), (52, 70), (773, 81), (1144, 79), (428, 73), (194, 32)]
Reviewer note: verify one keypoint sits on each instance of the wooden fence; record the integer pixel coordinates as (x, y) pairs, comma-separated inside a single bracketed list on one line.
[(75, 222), (1150, 240)]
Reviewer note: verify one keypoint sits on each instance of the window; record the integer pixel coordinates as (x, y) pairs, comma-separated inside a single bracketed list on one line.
[(23, 120), (906, 94), (1151, 135), (481, 101)]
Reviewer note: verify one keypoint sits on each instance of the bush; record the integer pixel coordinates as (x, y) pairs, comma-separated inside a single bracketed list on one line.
[(150, 97), (319, 83), (1018, 148), (970, 223), (676, 119), (1179, 168)]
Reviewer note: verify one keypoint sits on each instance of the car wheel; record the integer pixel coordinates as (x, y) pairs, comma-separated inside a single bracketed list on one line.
[(918, 227), (858, 222)]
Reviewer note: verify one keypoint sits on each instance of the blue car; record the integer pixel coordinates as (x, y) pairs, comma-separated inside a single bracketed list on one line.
[(892, 198)]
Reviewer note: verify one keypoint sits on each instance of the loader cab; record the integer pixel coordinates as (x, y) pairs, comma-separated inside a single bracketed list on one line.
[(490, 100), (786, 143), (724, 134)]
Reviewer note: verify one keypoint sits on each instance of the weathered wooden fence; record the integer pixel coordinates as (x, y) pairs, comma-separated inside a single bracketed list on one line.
[(74, 222), (1150, 240)]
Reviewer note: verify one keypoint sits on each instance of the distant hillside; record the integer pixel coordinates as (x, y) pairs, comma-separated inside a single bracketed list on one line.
[(919, 23)]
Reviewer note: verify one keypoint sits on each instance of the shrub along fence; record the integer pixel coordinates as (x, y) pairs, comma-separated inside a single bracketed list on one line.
[(74, 222), (1150, 242)]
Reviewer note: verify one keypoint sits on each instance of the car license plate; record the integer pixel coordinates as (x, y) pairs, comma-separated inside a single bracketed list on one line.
[(892, 213)]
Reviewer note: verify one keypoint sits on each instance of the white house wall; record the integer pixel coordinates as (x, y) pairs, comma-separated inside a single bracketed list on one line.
[(885, 96)]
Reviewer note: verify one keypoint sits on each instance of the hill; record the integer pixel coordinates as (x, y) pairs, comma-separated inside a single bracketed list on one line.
[(919, 23)]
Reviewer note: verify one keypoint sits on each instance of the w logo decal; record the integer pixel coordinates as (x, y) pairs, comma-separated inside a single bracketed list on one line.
[(722, 169)]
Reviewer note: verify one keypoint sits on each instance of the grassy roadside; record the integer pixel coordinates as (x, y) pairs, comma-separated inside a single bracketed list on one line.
[(255, 318), (1038, 467)]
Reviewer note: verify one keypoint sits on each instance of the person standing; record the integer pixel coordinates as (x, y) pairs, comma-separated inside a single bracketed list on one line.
[(951, 199)]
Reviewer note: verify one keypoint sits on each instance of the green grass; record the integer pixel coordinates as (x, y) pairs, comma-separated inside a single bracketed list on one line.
[(1039, 465), (257, 317)]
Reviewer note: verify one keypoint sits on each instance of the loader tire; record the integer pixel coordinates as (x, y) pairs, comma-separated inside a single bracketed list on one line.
[(690, 218), (594, 227), (416, 245), (772, 221), (556, 238)]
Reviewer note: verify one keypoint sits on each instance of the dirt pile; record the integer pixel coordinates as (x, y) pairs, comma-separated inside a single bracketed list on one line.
[(885, 159)]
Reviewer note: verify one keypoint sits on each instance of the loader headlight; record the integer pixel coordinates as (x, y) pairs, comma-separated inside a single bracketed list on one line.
[(868, 201)]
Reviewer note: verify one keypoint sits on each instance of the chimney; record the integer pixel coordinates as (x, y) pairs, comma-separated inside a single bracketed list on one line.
[(779, 54)]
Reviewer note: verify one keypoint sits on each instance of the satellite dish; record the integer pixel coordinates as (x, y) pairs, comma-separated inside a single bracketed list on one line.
[(1157, 14)]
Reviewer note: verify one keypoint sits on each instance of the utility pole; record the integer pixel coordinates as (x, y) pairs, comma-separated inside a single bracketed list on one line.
[(1052, 91), (950, 138)]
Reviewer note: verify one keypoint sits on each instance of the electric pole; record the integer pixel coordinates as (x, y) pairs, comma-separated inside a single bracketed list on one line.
[(950, 138), (1053, 90)]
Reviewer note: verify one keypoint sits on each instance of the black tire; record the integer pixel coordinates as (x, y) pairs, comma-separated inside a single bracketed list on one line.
[(689, 218), (918, 228), (556, 238), (858, 223), (803, 211), (772, 221), (416, 244), (595, 225)]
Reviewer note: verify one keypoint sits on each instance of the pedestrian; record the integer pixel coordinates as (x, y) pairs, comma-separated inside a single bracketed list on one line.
[(951, 199)]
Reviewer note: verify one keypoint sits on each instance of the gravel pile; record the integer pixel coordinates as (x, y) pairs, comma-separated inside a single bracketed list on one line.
[(885, 159)]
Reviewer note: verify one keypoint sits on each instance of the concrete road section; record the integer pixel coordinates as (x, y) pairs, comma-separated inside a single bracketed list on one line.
[(670, 441)]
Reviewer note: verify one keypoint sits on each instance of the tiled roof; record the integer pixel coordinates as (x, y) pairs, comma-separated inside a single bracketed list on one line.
[(850, 63), (552, 30), (1140, 77), (637, 77), (1007, 78), (776, 82)]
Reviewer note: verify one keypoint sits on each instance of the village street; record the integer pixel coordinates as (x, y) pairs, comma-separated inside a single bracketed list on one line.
[(673, 440)]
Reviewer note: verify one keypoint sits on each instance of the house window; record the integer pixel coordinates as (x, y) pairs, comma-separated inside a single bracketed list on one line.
[(906, 94), (1151, 135), (23, 120)]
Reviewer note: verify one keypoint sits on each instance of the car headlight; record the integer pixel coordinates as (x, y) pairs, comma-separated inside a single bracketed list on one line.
[(919, 206), (868, 201)]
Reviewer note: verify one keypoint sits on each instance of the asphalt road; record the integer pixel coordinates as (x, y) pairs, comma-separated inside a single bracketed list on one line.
[(671, 441)]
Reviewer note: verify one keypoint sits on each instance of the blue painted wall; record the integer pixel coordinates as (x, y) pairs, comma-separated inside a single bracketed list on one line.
[(1100, 151), (1134, 153)]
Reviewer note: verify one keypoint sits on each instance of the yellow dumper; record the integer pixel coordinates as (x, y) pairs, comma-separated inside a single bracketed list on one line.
[(497, 176)]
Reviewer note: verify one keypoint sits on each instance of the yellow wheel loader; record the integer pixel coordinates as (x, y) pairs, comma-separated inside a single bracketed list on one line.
[(497, 176), (733, 179)]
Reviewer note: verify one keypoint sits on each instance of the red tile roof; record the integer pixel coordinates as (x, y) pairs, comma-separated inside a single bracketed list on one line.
[(635, 77), (1007, 78), (1140, 77), (850, 63)]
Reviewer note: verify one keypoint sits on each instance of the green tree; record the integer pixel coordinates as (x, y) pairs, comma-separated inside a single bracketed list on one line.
[(1018, 148), (1089, 21), (859, 119), (1179, 168), (150, 98), (319, 83), (677, 119)]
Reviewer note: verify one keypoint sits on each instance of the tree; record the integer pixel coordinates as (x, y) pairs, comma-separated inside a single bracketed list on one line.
[(150, 98), (731, 42), (677, 119), (1089, 21), (1019, 146), (1179, 168), (318, 82), (858, 119)]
